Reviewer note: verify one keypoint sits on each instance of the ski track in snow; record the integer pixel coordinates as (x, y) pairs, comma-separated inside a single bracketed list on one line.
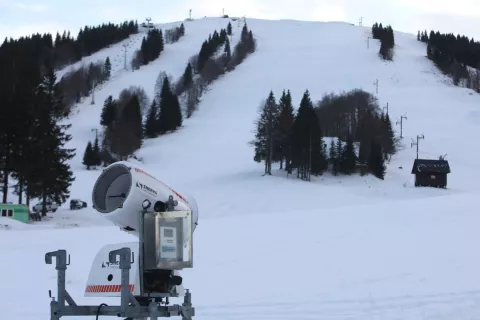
[(276, 247)]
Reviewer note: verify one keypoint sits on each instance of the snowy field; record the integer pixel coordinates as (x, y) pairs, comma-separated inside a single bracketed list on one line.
[(277, 248)]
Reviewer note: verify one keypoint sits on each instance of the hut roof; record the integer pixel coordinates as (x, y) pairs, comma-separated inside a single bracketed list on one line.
[(430, 166)]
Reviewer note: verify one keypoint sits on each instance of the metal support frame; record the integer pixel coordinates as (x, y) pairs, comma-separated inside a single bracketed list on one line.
[(400, 122), (419, 137), (130, 308)]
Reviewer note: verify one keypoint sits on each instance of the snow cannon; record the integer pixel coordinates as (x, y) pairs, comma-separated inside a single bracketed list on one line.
[(144, 274), (124, 189), (161, 218)]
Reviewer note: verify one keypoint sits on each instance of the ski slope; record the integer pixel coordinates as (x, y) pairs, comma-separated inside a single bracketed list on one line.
[(275, 247)]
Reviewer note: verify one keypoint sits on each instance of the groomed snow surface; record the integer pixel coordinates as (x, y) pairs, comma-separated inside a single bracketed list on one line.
[(276, 247)]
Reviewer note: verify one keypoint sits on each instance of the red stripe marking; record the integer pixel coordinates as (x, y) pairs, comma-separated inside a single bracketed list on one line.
[(106, 288), (147, 174)]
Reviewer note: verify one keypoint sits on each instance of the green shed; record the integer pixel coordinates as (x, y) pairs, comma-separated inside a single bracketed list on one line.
[(18, 212)]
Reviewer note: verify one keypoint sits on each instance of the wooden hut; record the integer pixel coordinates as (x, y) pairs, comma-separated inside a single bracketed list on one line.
[(430, 173)]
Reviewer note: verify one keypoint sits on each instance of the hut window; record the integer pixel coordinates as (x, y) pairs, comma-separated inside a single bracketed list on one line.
[(10, 212), (4, 212), (432, 176)]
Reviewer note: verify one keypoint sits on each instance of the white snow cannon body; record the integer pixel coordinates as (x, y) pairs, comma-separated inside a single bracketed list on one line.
[(163, 220)]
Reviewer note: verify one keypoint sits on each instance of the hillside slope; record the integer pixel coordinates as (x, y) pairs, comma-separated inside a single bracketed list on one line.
[(363, 248), (172, 60), (321, 57)]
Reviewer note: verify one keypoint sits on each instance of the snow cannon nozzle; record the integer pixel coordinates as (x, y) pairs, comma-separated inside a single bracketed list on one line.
[(123, 190)]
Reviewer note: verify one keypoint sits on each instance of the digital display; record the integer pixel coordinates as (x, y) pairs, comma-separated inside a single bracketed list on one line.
[(168, 233)]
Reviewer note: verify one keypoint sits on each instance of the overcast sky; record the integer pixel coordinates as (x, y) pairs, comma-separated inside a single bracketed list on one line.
[(22, 17)]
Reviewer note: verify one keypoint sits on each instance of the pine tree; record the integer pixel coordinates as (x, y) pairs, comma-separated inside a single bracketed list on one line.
[(349, 158), (97, 152), (202, 56), (126, 135), (22, 155), (145, 51), (340, 159), (250, 42), (223, 36), (418, 35), (389, 148), (177, 117), (108, 112), (300, 139), (182, 30), (229, 28), (51, 92), (309, 154), (152, 45), (167, 118), (384, 51), (58, 191), (162, 75), (376, 163), (150, 127), (375, 31), (332, 152), (285, 122), (159, 42), (107, 69), (365, 131), (391, 38), (266, 137), (333, 157), (363, 151), (227, 50), (88, 157), (97, 161), (319, 158), (244, 34), (54, 176), (187, 77), (133, 113)]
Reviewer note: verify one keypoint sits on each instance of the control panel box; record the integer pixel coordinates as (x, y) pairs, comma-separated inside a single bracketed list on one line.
[(167, 240)]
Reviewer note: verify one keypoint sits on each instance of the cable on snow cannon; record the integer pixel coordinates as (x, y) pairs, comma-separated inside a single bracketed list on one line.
[(144, 274)]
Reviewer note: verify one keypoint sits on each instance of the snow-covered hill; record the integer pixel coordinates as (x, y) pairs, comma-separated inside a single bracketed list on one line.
[(363, 248)]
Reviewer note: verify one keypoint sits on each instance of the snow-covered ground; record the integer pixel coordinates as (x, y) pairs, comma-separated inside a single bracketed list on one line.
[(271, 247)]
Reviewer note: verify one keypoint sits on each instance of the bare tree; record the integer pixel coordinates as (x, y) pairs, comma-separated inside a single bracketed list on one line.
[(476, 81), (212, 70), (241, 50), (79, 83), (473, 80), (193, 97), (173, 35), (95, 73), (142, 98), (458, 72), (106, 155), (137, 59), (127, 94), (159, 84), (339, 115), (194, 63)]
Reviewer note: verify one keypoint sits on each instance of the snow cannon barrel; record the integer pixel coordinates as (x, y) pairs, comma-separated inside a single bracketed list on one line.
[(123, 190)]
